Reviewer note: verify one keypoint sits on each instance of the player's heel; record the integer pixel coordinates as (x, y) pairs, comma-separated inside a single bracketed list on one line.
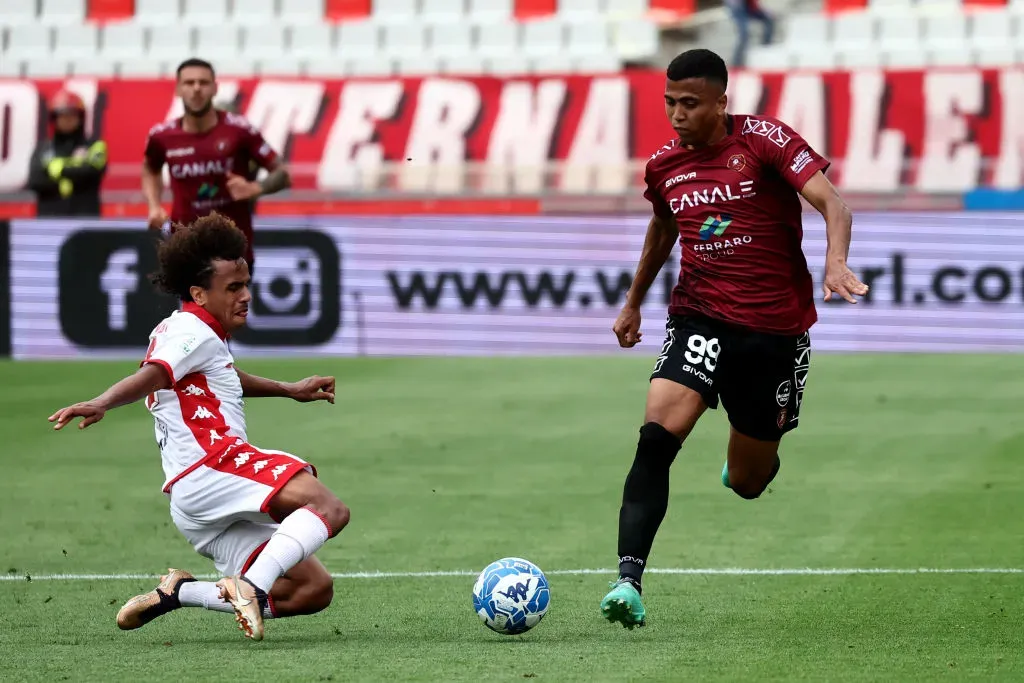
[(623, 605)]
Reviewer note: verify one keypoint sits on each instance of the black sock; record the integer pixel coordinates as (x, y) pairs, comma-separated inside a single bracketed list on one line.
[(645, 499)]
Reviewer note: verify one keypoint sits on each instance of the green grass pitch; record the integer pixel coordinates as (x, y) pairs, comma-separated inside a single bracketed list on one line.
[(901, 461)]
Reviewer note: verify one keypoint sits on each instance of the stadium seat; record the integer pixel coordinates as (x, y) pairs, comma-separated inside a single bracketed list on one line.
[(561, 63), (464, 65), (490, 11), (371, 66), (34, 41), (205, 12), (358, 40), (542, 38), (76, 41), (280, 66), (451, 40), (123, 41), (97, 67), (312, 41), (157, 12), (217, 44), (421, 65), (60, 12), (302, 12), (266, 41), (11, 68), (770, 57), (394, 11), (580, 10), (912, 57), (253, 13), (587, 38), (18, 13), (443, 11), (899, 31), (991, 28), (46, 67), (850, 31), (400, 40), (170, 43), (511, 64), (996, 56), (816, 59), (808, 29), (946, 30), (145, 67), (626, 9), (897, 6), (635, 39), (234, 67), (495, 41), (859, 58), (326, 67), (598, 64)]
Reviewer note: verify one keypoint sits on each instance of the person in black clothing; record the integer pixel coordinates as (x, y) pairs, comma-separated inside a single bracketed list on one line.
[(67, 170)]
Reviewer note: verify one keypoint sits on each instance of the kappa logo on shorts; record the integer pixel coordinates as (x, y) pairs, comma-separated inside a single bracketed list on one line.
[(783, 392)]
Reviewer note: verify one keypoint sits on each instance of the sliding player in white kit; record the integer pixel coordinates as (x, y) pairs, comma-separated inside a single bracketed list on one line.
[(258, 514)]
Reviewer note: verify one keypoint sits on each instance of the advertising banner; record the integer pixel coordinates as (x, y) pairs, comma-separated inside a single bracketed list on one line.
[(943, 130), (501, 286)]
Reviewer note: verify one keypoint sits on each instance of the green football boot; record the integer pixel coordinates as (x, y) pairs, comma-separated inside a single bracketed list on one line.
[(623, 605), (725, 475)]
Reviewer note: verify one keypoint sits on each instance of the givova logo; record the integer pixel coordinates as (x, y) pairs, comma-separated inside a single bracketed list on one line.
[(715, 225)]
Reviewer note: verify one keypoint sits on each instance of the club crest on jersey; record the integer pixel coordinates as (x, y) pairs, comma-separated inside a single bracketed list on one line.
[(737, 162), (782, 418), (222, 145), (715, 225)]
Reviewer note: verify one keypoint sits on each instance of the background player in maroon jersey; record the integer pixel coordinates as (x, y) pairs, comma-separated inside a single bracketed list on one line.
[(727, 189), (209, 152)]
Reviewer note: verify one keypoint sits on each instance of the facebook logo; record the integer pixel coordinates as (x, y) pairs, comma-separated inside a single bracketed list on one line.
[(106, 300)]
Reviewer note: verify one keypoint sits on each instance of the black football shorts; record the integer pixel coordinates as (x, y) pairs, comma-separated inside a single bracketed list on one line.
[(759, 377)]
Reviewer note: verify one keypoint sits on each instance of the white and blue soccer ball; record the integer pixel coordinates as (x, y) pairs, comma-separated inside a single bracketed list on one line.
[(511, 596)]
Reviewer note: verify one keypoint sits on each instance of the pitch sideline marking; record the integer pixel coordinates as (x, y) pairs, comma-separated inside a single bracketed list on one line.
[(722, 571)]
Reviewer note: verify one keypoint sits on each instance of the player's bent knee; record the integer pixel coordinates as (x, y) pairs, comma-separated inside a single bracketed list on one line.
[(335, 513), (747, 486)]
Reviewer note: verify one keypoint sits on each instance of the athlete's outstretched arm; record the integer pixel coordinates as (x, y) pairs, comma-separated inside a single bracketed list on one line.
[(149, 378), (662, 233), (314, 388), (839, 279)]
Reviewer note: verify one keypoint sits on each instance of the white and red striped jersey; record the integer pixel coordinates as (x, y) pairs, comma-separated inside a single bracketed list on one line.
[(202, 413)]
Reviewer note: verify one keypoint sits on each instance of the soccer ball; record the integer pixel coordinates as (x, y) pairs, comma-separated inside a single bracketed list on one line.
[(511, 596)]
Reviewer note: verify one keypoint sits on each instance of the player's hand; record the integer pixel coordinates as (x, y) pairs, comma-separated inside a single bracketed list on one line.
[(313, 388), (627, 327), (90, 411), (241, 189), (840, 280), (157, 218)]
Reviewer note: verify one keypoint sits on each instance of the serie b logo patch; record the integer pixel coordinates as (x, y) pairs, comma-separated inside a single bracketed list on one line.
[(737, 162)]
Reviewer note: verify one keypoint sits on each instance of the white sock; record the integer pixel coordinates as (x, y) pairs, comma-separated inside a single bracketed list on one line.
[(300, 535), (203, 594)]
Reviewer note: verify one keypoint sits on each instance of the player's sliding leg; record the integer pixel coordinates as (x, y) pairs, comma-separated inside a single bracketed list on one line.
[(177, 589), (671, 413), (310, 514), (751, 466)]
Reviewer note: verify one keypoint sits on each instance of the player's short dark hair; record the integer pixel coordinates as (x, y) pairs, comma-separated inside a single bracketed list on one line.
[(195, 61), (186, 257), (699, 63)]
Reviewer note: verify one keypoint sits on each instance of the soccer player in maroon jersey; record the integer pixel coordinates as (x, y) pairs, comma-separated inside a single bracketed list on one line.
[(209, 152), (727, 189)]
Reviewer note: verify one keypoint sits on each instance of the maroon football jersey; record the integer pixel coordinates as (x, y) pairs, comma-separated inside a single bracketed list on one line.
[(199, 164), (738, 211)]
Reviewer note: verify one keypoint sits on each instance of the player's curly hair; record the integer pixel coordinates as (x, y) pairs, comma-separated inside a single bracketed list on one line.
[(186, 257)]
